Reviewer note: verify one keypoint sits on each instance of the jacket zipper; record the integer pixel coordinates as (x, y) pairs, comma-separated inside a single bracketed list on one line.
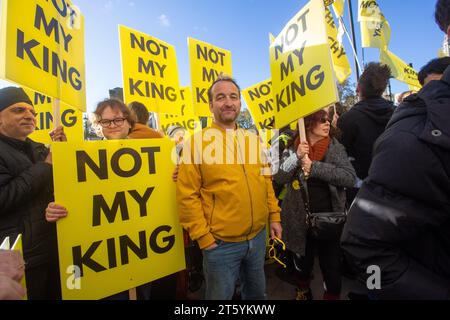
[(248, 189)]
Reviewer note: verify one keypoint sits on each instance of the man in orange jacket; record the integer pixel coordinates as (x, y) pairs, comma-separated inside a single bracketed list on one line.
[(225, 204)]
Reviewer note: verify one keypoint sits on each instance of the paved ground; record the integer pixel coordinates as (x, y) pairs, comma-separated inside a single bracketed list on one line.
[(281, 290)]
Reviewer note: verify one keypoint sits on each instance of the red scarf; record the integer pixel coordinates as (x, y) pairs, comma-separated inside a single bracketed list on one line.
[(318, 151)]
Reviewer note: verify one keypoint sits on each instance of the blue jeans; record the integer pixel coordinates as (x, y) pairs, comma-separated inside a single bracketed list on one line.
[(223, 265)]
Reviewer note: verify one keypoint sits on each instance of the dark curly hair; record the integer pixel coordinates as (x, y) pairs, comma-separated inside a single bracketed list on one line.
[(442, 14), (436, 66), (374, 80)]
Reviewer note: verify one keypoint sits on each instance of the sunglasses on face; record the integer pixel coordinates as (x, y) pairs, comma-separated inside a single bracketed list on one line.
[(324, 120), (276, 248)]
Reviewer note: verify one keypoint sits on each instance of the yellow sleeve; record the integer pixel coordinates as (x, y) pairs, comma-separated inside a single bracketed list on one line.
[(189, 202)]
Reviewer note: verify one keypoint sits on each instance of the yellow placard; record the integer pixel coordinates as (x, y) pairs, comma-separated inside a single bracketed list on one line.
[(259, 100), (302, 73), (42, 48), (149, 71), (207, 63), (341, 65), (375, 29), (400, 70), (122, 228), (339, 7), (71, 119), (186, 119)]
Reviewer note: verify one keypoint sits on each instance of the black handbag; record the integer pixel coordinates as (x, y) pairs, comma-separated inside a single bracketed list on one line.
[(323, 225)]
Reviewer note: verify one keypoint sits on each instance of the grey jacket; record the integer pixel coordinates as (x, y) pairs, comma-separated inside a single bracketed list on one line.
[(336, 169)]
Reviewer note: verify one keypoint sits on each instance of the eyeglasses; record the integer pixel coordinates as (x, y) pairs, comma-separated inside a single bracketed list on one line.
[(276, 247), (105, 123)]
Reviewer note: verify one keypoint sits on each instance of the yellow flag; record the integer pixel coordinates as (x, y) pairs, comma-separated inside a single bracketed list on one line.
[(375, 29), (339, 7), (341, 65), (400, 70), (303, 80), (42, 48)]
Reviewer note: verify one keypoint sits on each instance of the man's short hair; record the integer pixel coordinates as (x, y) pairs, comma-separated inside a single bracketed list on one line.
[(140, 111), (442, 14), (222, 77), (374, 80), (435, 66)]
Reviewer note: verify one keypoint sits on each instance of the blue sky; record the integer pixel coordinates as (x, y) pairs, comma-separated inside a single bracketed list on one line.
[(241, 26)]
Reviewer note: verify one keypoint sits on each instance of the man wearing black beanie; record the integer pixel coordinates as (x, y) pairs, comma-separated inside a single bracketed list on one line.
[(26, 188)]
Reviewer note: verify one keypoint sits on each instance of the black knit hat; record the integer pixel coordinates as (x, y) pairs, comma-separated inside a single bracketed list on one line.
[(12, 95)]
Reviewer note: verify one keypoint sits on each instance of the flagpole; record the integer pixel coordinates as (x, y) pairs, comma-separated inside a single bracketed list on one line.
[(352, 29)]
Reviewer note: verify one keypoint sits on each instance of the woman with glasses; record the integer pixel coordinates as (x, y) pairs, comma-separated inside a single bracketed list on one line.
[(317, 170)]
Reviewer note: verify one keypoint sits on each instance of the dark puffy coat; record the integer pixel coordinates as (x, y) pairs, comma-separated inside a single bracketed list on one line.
[(26, 188), (361, 126), (400, 220)]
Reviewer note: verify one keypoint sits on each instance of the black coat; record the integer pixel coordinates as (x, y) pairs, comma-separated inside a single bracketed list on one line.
[(361, 126), (400, 220), (26, 188)]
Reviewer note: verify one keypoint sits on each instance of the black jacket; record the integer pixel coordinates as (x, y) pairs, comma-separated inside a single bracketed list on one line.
[(361, 126), (26, 188), (400, 220)]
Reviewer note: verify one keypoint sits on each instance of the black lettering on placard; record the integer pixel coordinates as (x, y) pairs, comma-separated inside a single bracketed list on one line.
[(201, 95), (59, 68), (100, 205), (266, 107), (368, 4), (210, 55), (101, 169), (41, 99), (291, 34), (262, 90), (80, 259), (267, 123), (150, 45), (142, 200), (187, 124), (169, 240), (125, 244), (152, 90), (289, 94), (52, 27), (287, 69), (68, 118), (151, 67), (44, 121), (209, 75)]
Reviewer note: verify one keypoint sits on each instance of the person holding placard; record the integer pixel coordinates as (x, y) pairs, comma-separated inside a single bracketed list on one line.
[(316, 172), (26, 187)]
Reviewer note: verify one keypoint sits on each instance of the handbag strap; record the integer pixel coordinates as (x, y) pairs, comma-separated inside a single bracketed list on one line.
[(305, 197)]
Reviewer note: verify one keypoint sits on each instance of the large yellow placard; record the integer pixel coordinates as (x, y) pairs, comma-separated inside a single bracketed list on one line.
[(341, 64), (122, 229), (207, 63), (71, 119), (300, 61), (149, 71), (42, 48), (186, 119), (259, 100)]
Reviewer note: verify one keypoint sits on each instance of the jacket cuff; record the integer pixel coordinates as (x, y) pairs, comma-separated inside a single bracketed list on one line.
[(275, 217), (205, 241)]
